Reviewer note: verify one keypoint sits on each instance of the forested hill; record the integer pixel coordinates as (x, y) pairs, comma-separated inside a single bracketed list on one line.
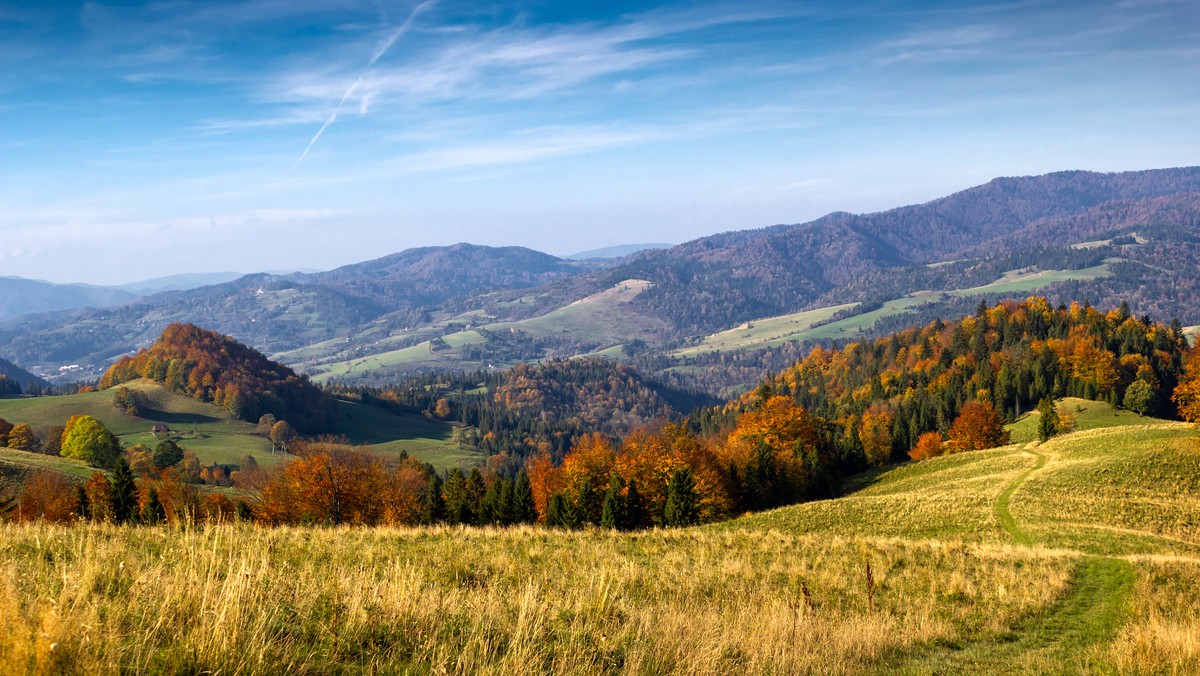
[(210, 367), (883, 394), (432, 275), (22, 378), (716, 282)]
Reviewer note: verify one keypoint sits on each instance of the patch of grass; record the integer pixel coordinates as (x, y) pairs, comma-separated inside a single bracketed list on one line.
[(386, 433), (208, 430), (1015, 281), (762, 332), (1088, 415), (25, 461), (241, 599)]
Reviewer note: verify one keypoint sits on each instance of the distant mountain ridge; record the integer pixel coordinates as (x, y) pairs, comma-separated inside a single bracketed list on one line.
[(20, 296), (410, 299), (617, 251)]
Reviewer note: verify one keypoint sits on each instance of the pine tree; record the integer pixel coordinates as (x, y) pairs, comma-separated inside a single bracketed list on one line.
[(635, 508), (681, 508), (124, 500), (1048, 421), (433, 506), (524, 510), (458, 507), (556, 512), (83, 507), (614, 516), (153, 511)]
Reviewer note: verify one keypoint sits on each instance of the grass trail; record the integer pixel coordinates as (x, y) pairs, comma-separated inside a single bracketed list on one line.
[(1003, 513), (1063, 640)]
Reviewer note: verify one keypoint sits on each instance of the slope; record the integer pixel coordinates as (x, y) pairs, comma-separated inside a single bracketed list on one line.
[(216, 437)]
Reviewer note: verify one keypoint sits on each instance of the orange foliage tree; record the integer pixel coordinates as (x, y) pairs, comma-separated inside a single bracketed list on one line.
[(977, 427), (1187, 393), (875, 434), (929, 445), (48, 496)]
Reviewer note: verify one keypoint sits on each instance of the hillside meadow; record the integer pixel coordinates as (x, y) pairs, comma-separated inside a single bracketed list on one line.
[(1078, 555), (215, 437)]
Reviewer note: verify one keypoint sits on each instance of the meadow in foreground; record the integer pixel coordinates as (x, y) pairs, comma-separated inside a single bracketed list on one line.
[(982, 562)]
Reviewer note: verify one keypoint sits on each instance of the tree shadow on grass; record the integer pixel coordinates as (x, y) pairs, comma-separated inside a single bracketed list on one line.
[(176, 418)]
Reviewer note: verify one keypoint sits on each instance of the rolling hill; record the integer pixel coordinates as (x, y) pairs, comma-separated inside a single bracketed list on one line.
[(1132, 236), (22, 296)]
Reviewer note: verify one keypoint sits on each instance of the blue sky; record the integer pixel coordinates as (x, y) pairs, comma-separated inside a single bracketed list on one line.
[(143, 139)]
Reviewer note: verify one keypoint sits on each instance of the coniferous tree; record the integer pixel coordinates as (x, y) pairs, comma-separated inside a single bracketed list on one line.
[(153, 511), (433, 506), (123, 491), (615, 515), (524, 510), (83, 507), (635, 508), (1048, 423), (458, 504), (681, 508), (476, 488), (556, 512)]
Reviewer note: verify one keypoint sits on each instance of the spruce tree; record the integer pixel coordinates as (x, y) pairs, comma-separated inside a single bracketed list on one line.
[(458, 506), (83, 507), (123, 491), (556, 512), (1048, 420), (681, 508), (153, 511), (524, 510), (614, 516), (635, 508), (433, 506)]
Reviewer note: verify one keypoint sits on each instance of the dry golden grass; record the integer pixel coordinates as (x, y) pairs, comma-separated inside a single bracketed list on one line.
[(241, 599), (1163, 634)]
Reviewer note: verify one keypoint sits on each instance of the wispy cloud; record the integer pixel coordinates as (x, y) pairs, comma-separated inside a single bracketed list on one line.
[(380, 51)]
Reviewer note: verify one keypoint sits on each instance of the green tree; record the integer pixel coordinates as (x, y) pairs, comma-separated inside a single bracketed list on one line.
[(681, 508), (89, 440), (167, 454), (635, 508), (83, 507), (458, 502), (1048, 423), (557, 513), (433, 506), (524, 508), (614, 516), (123, 492), (1139, 397), (153, 511), (476, 488)]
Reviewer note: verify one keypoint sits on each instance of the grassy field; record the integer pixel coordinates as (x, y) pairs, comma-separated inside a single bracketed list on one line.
[(1080, 555), (797, 327), (215, 437), (1087, 414), (762, 332), (604, 317)]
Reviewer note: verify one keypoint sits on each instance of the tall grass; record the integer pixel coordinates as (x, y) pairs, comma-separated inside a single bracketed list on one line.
[(244, 599)]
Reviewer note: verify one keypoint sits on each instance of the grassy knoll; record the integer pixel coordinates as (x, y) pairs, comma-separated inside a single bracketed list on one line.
[(1087, 414), (215, 437), (387, 433)]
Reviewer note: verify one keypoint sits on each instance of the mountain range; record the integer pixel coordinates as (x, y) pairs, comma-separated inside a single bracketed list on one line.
[(1085, 236)]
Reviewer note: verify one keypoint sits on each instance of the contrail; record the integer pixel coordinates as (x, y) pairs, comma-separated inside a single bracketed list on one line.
[(379, 52)]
